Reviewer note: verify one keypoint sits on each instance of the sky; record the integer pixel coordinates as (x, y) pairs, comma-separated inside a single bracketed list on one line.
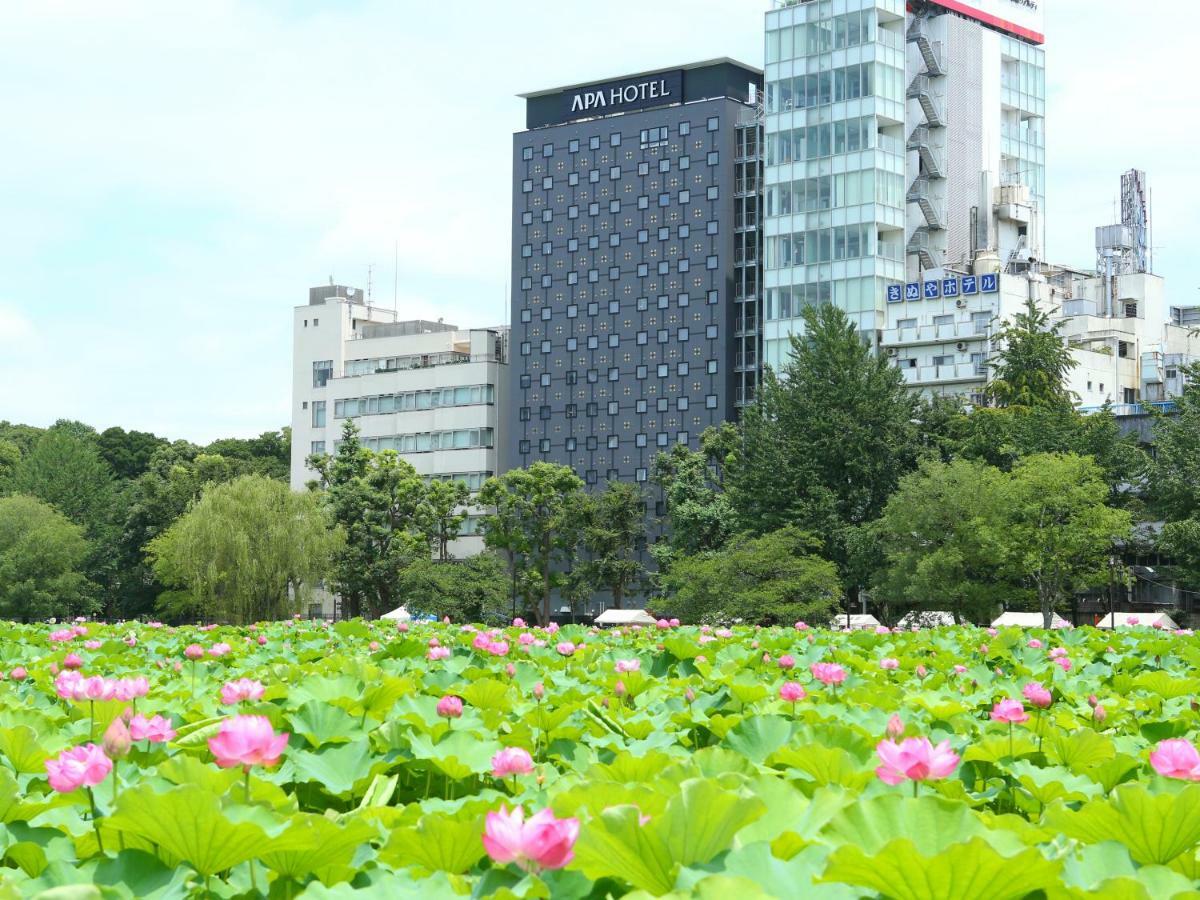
[(175, 176)]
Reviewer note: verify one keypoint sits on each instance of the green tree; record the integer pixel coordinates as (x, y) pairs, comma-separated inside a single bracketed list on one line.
[(770, 579), (175, 477), (505, 534), (544, 502), (128, 453), (1174, 479), (1059, 530), (1033, 363), (942, 543), (268, 454), (614, 529), (41, 554), (827, 441), (249, 550), (378, 500), (24, 436), (699, 515), (10, 458), (469, 590), (65, 469), (444, 514)]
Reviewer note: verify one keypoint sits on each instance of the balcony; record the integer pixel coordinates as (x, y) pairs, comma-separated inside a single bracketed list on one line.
[(746, 326), (745, 185), (955, 373), (743, 362)]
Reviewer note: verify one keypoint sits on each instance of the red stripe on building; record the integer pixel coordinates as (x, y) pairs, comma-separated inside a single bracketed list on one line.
[(995, 21)]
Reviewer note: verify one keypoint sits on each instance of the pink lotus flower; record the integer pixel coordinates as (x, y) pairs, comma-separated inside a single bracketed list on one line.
[(18, 673), (787, 661), (117, 739), (801, 626), (242, 689), (959, 669), (888, 664), (1064, 663), (1176, 758), (895, 726), (62, 635), (436, 653), (193, 651), (1098, 713), (73, 661), (1133, 620), (662, 624), (247, 741), (1057, 652), (628, 665), (914, 759), (512, 761), (219, 649), (992, 632), (510, 670), (84, 766), (1010, 711), (1037, 695), (525, 639), (882, 629), (1035, 644), (539, 690), (542, 842), (497, 648), (262, 640), (921, 672), (92, 645), (565, 648), (156, 730), (373, 646), (127, 689), (828, 673), (790, 692), (450, 707), (518, 622)]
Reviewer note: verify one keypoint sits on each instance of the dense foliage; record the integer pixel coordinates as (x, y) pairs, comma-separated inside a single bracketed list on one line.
[(779, 762)]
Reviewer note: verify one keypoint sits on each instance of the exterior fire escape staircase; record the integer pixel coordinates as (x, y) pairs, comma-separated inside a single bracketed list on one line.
[(919, 140)]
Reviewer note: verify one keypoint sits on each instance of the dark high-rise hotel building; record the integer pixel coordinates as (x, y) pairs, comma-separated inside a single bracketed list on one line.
[(636, 276)]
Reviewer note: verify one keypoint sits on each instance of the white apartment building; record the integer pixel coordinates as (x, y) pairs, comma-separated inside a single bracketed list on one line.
[(890, 126), (427, 390), (1128, 343)]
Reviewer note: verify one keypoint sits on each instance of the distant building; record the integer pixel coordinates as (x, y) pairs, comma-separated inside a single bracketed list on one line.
[(427, 390), (1129, 342)]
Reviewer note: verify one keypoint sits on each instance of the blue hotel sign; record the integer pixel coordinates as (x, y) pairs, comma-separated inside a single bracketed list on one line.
[(956, 286)]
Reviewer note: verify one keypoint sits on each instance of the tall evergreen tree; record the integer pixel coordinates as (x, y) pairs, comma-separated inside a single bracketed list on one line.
[(1033, 363), (827, 441), (614, 526)]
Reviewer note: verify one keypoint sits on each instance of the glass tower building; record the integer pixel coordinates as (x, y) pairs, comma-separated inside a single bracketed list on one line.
[(891, 129)]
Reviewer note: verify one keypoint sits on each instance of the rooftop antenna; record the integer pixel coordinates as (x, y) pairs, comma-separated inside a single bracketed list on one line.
[(368, 285)]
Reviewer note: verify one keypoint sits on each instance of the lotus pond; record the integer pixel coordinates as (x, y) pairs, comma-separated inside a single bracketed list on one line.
[(312, 760)]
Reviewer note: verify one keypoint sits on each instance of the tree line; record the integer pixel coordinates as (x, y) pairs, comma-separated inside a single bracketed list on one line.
[(837, 487)]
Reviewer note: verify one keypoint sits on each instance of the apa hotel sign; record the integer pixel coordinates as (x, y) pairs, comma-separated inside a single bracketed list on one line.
[(589, 101), (634, 95)]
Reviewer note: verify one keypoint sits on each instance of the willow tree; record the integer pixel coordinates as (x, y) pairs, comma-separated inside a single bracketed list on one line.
[(248, 550)]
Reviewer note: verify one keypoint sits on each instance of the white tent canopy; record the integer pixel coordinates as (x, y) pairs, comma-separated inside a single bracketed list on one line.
[(399, 614), (1028, 620), (1133, 620), (625, 617), (926, 618), (858, 622)]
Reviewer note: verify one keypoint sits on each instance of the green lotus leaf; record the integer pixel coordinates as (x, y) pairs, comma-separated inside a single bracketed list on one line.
[(321, 723), (1155, 828), (1080, 749), (757, 737), (438, 842), (972, 870), (313, 843), (337, 768)]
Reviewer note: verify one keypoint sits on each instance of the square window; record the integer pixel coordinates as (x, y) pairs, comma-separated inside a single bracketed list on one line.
[(614, 340), (547, 183), (712, 298), (526, 153), (681, 403), (663, 370), (712, 192), (545, 379), (713, 123), (590, 477), (614, 307), (613, 442), (712, 367), (685, 196), (684, 334), (546, 312), (641, 372), (613, 409), (614, 374), (710, 331), (523, 447), (593, 342), (643, 168), (685, 128), (525, 315), (525, 381), (573, 145), (614, 139), (571, 444), (594, 142), (685, 162), (614, 206), (640, 475), (544, 445), (711, 227), (547, 149), (661, 439), (681, 369), (643, 270), (710, 401), (643, 203), (662, 404)]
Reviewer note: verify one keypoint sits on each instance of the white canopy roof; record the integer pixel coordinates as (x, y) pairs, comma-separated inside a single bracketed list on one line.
[(625, 617), (399, 614), (855, 622), (1132, 620), (1028, 620), (926, 618)]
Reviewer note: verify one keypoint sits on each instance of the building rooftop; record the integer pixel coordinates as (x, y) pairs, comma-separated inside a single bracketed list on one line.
[(629, 76)]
